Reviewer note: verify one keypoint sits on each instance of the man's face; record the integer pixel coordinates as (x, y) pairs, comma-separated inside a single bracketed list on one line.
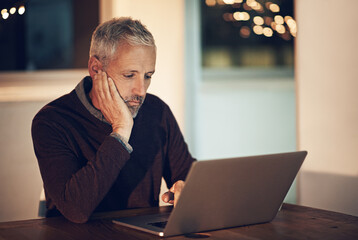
[(131, 70)]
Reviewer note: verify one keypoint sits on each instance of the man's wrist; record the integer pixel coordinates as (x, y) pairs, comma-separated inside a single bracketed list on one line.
[(124, 132), (123, 141)]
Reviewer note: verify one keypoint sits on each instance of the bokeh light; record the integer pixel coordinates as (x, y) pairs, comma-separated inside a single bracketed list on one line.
[(245, 32), (13, 10), (258, 29), (210, 3), (21, 10), (258, 20), (267, 32), (279, 19)]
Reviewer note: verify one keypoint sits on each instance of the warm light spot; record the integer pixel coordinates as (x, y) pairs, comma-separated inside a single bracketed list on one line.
[(291, 23), (246, 7), (280, 29), (254, 5), (293, 27), (268, 20), (210, 3), (241, 16), (274, 7), (287, 18), (246, 16), (250, 2), (258, 29), (258, 20), (5, 15), (228, 17), (21, 10), (268, 32), (13, 10), (238, 16), (273, 25), (293, 31), (245, 32), (3, 11), (279, 19), (229, 2), (267, 4), (260, 9), (238, 1)]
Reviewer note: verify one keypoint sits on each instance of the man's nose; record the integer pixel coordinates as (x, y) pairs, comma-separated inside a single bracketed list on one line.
[(139, 87)]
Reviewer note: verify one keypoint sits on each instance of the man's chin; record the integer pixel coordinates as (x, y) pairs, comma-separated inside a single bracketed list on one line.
[(134, 103), (134, 110)]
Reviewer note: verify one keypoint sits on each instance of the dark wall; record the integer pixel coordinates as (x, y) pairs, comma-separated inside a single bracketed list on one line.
[(52, 34)]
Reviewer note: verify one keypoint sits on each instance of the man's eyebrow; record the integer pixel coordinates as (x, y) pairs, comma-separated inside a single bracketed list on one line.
[(136, 71)]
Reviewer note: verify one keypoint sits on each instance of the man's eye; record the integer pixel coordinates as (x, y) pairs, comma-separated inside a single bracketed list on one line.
[(128, 75), (148, 76)]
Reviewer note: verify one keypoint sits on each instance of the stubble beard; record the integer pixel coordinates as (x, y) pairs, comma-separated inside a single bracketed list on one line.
[(134, 109)]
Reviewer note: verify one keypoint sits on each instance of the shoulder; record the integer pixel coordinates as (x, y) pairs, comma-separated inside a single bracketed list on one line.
[(57, 108)]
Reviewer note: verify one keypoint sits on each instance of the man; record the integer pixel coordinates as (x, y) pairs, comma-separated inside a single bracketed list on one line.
[(107, 144)]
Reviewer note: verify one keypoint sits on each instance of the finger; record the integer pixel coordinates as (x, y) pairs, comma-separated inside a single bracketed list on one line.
[(97, 86), (178, 187), (95, 80), (176, 197), (168, 197), (172, 194), (113, 90), (165, 197), (105, 88)]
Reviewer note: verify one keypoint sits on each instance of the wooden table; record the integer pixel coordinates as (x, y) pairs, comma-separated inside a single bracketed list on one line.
[(292, 222)]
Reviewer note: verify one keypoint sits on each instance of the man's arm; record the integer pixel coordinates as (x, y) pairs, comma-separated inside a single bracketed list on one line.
[(74, 185), (76, 190)]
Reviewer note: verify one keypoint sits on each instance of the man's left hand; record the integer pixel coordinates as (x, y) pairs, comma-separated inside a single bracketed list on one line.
[(173, 194)]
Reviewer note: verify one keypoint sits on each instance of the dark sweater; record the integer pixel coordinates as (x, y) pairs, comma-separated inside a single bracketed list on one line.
[(86, 170)]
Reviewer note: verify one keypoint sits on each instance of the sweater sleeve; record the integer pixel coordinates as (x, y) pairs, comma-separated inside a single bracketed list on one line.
[(178, 159), (75, 186)]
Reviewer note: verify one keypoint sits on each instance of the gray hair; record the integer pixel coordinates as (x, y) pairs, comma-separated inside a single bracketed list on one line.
[(108, 36)]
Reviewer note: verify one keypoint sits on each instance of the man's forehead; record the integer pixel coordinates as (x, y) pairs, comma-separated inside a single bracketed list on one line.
[(134, 61), (133, 51)]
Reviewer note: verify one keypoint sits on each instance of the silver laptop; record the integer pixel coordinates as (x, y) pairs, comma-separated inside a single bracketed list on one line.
[(225, 193)]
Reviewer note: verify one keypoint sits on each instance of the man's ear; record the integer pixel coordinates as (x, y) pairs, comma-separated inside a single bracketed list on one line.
[(94, 65)]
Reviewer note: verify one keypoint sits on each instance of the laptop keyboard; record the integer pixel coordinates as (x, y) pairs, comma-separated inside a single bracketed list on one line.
[(159, 224)]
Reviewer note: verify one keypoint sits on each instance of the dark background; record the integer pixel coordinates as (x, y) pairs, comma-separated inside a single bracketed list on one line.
[(51, 34)]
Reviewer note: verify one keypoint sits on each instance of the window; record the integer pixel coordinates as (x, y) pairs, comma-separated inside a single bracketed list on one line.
[(247, 33), (46, 34)]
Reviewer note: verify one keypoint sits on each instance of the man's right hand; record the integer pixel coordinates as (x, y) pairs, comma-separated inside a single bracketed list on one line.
[(172, 196), (106, 98)]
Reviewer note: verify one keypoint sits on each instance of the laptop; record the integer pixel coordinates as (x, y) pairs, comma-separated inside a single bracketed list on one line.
[(225, 193)]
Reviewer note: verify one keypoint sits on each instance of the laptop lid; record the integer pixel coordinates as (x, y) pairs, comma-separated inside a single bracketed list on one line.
[(226, 193)]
